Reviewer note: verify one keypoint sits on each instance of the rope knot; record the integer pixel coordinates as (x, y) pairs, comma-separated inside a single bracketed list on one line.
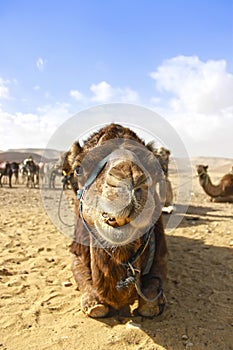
[(132, 273), (124, 283)]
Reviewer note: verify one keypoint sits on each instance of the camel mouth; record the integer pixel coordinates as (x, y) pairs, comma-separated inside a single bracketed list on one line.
[(201, 173), (113, 234), (115, 221), (119, 227), (117, 230)]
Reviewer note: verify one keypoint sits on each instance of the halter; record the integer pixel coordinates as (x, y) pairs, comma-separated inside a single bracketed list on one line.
[(148, 240), (95, 172)]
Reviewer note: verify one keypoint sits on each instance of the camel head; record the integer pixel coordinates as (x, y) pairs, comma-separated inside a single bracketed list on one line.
[(66, 159), (163, 152), (201, 170), (163, 155), (117, 184)]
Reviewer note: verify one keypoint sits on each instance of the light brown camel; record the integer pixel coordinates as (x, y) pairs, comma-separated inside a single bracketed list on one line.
[(223, 192), (164, 184), (119, 244)]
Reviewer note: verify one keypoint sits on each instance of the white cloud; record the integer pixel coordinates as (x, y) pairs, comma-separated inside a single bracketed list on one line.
[(202, 87), (104, 92), (196, 97), (4, 91), (34, 129), (193, 95), (25, 130), (77, 95), (40, 63)]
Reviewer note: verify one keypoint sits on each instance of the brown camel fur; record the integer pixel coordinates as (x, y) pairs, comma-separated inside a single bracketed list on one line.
[(223, 192), (118, 209)]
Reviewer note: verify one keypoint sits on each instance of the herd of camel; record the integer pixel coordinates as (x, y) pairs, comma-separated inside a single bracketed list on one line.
[(29, 173)]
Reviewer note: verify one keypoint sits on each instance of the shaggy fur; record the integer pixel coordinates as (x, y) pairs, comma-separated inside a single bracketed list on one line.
[(95, 270)]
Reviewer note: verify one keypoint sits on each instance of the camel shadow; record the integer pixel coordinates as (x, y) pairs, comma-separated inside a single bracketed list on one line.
[(194, 215), (199, 297)]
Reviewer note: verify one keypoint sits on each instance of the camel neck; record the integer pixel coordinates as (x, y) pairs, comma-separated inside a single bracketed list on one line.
[(211, 189)]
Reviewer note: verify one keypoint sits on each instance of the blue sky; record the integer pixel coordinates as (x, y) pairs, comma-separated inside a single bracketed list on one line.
[(60, 57)]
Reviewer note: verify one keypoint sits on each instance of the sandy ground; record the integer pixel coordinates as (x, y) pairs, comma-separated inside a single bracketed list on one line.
[(40, 303)]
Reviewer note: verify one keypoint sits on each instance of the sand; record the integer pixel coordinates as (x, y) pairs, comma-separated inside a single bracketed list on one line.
[(40, 305)]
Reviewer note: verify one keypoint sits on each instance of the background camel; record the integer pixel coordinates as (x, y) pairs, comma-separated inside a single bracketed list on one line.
[(223, 192), (5, 171), (32, 175), (165, 187)]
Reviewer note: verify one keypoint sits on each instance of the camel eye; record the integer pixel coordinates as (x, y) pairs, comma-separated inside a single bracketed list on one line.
[(78, 171)]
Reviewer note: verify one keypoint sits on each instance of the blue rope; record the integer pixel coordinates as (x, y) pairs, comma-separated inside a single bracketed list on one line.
[(95, 172)]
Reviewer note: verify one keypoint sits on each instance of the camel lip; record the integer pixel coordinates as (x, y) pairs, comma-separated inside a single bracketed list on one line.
[(116, 235), (115, 221)]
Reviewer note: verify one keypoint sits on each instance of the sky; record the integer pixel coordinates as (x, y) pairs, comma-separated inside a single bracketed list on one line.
[(174, 57)]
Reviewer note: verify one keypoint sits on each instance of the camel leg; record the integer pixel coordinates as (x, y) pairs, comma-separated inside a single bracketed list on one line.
[(90, 302), (222, 199), (162, 191), (169, 194), (10, 177), (150, 283)]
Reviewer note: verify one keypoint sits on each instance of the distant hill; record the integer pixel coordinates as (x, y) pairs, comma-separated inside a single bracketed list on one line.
[(18, 155), (50, 153), (216, 164)]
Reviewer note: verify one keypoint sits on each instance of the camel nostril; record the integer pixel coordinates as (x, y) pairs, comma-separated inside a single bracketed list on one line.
[(112, 222), (111, 219), (137, 192)]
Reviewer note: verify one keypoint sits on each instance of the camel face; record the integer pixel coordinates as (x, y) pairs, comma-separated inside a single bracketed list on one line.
[(163, 155), (121, 202), (202, 169)]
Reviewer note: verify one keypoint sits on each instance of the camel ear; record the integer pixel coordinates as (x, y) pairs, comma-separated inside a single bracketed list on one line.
[(151, 147), (206, 167), (69, 158)]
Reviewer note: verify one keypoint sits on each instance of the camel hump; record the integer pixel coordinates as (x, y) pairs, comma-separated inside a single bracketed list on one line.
[(227, 184), (228, 178)]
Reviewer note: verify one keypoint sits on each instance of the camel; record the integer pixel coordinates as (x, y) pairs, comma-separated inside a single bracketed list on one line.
[(52, 170), (32, 173), (119, 246), (15, 171), (5, 170), (223, 192), (165, 187)]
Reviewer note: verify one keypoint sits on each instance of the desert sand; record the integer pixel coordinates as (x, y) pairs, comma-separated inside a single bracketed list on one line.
[(40, 304)]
